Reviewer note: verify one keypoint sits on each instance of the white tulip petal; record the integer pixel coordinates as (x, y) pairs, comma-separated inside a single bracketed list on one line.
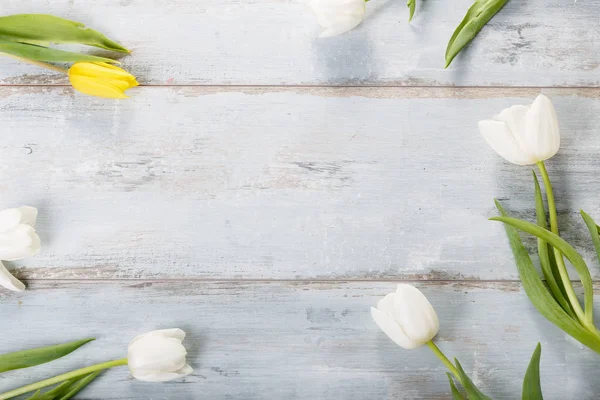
[(10, 219), (28, 215), (167, 354), (515, 117), (415, 314), (173, 333), (19, 243), (338, 16), (387, 324), (9, 281), (500, 138), (543, 134), (386, 304), (148, 376)]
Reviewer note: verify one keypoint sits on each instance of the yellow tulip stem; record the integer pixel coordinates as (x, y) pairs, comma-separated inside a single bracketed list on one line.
[(436, 350), (38, 63), (61, 378), (560, 262)]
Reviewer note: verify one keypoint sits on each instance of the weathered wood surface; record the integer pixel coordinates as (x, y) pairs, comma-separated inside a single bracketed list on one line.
[(347, 183), (241, 198), (274, 42), (293, 340)]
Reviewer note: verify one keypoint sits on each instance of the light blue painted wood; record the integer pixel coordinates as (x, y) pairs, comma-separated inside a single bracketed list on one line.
[(299, 183), (274, 42), (294, 340)]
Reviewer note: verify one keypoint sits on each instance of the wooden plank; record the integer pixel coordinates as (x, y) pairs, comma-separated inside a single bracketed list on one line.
[(274, 42), (294, 340), (354, 183)]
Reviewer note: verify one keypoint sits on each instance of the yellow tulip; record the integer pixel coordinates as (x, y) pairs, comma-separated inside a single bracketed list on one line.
[(101, 80)]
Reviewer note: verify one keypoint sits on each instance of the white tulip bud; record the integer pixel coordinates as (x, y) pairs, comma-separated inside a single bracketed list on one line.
[(524, 135), (158, 356), (338, 16), (407, 317), (18, 240)]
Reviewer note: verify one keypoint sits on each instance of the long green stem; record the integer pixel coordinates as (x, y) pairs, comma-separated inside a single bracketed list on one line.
[(560, 262), (436, 350), (60, 378), (38, 63)]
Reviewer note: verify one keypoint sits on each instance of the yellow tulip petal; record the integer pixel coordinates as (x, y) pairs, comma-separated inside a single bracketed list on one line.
[(99, 70), (101, 79), (96, 87)]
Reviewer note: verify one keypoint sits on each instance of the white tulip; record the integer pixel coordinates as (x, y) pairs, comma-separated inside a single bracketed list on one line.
[(524, 135), (18, 240), (407, 317), (338, 16), (158, 356)]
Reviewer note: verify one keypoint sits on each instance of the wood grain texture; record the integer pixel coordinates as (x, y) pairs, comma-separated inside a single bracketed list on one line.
[(354, 183), (274, 42), (290, 340)]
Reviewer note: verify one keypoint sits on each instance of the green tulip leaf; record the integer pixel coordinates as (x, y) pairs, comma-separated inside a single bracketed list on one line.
[(565, 248), (472, 392), (411, 4), (43, 28), (532, 388), (52, 394), (539, 295), (41, 355), (78, 386), (593, 228), (548, 265), (40, 53), (66, 389), (480, 13), (455, 393)]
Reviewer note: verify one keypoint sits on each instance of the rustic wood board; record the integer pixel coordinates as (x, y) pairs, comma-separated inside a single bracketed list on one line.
[(266, 187), (295, 340), (319, 183), (274, 42)]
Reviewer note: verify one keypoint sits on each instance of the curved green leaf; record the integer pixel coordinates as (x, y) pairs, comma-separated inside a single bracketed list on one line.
[(550, 274), (479, 14), (540, 296), (472, 392), (44, 28), (39, 53), (411, 4), (565, 248), (41, 355), (455, 393), (78, 386), (532, 388), (593, 228), (66, 389)]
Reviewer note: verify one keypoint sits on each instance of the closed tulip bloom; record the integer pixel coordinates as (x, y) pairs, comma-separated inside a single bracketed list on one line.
[(101, 80), (158, 356), (18, 240), (338, 16), (407, 317), (524, 135)]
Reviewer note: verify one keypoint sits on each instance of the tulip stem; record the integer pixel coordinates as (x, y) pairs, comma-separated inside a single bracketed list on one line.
[(38, 63), (436, 350), (61, 378), (560, 262)]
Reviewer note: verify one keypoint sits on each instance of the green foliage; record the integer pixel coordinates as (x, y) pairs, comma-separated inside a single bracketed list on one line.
[(66, 389), (41, 355), (532, 389), (537, 292), (40, 53), (45, 29), (480, 13)]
